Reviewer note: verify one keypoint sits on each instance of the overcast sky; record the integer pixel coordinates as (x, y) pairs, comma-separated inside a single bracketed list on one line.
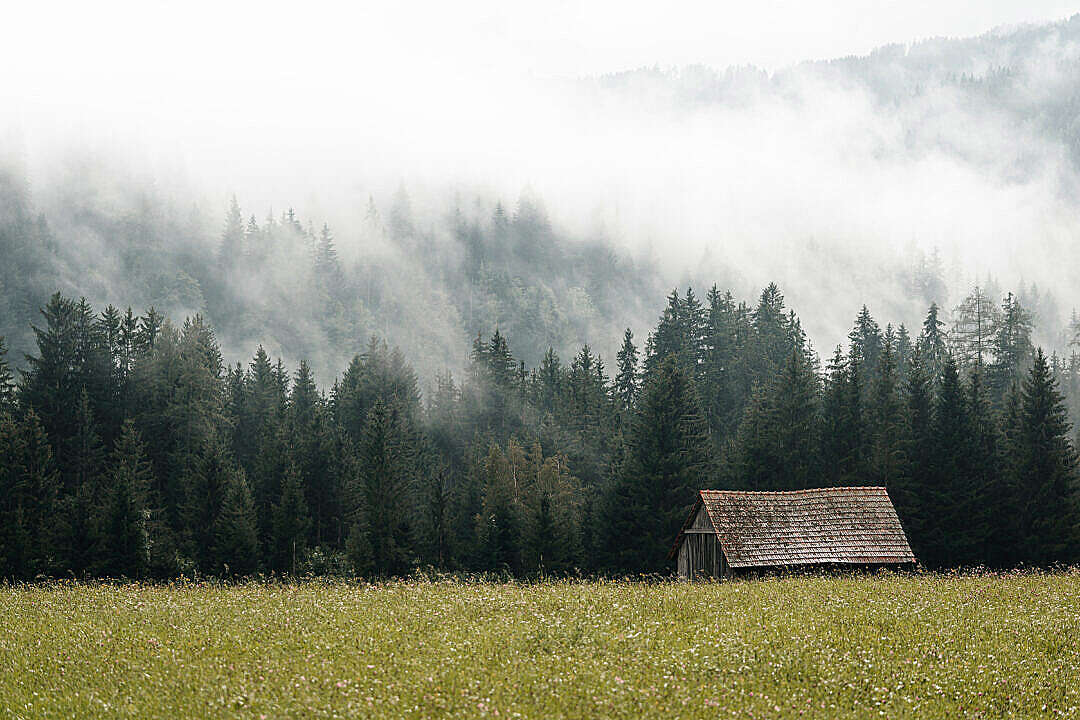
[(151, 54), (396, 77)]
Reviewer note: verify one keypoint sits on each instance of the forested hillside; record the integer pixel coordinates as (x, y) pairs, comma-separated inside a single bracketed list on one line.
[(130, 448), (1023, 76), (277, 280)]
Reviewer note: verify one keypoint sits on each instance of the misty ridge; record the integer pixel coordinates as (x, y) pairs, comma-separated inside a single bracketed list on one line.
[(896, 180)]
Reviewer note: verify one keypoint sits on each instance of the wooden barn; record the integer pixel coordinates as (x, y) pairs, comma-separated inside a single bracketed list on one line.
[(730, 531)]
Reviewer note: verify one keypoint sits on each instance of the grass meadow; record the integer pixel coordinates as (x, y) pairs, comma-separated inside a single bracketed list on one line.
[(894, 646)]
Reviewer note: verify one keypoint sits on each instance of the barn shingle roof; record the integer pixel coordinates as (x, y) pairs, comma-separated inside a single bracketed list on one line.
[(839, 525)]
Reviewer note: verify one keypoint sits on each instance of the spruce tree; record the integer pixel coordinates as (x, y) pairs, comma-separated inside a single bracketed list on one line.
[(84, 494), (206, 483), (252, 239), (550, 379), (866, 343), (988, 519), (499, 523), (697, 327), (291, 522), (236, 544), (1008, 549), (382, 489), (231, 248), (670, 336), (947, 537), (257, 437), (904, 350), (150, 326), (933, 344), (327, 268), (51, 385), (841, 424), (915, 497), (194, 414), (304, 400), (315, 446), (626, 379), (778, 443), (1045, 469), (719, 389), (34, 503), (1011, 345), (669, 459), (500, 362), (887, 465), (772, 335), (126, 527)]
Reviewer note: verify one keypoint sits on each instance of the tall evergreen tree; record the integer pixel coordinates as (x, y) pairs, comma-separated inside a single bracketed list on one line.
[(772, 334), (550, 382), (835, 420), (626, 379), (126, 526), (231, 248), (933, 344), (778, 443), (383, 490), (52, 378), (291, 522), (1011, 345), (327, 267), (500, 362), (236, 543), (1008, 549), (721, 391), (680, 332), (30, 500), (315, 447), (914, 497), (669, 459), (950, 489), (904, 350), (991, 505), (84, 494), (866, 343), (499, 523), (887, 427), (207, 483), (1045, 468)]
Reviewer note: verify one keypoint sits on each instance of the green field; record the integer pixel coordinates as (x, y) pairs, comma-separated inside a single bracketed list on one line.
[(886, 646)]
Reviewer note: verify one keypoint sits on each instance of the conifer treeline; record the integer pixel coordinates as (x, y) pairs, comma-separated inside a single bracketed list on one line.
[(128, 448)]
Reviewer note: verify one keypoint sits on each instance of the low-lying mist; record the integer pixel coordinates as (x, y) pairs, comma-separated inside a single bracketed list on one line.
[(561, 210)]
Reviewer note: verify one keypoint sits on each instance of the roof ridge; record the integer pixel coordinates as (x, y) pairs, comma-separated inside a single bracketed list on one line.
[(838, 488)]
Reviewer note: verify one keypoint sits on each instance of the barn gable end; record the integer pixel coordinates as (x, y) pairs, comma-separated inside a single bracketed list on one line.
[(699, 553)]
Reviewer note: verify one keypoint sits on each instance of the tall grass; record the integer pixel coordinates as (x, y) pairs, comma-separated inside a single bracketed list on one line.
[(925, 646)]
